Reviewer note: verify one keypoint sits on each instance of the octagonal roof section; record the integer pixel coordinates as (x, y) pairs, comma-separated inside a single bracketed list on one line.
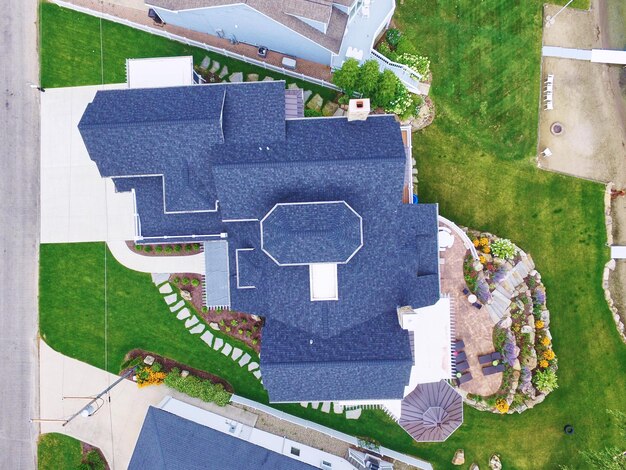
[(301, 233)]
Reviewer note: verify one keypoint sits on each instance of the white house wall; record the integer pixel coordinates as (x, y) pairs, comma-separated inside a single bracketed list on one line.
[(248, 26)]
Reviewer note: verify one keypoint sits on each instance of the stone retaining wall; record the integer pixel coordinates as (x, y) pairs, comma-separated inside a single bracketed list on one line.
[(610, 266)]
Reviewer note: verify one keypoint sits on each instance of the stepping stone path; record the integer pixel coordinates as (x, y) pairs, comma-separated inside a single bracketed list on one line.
[(326, 407), (353, 414), (315, 405), (159, 278), (236, 77), (227, 349), (236, 353), (205, 63), (252, 366), (329, 108), (293, 86), (215, 326), (268, 79), (337, 408), (215, 66), (165, 288), (339, 112), (196, 330), (170, 299), (223, 72), (219, 342), (191, 322), (207, 337), (178, 306), (252, 77), (183, 314), (306, 95), (315, 103), (244, 360), (257, 374)]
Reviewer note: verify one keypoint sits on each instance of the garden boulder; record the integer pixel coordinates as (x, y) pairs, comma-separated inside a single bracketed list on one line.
[(459, 457), (185, 294), (495, 463), (315, 102)]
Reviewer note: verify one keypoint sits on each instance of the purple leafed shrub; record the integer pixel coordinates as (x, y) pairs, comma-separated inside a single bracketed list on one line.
[(482, 292)]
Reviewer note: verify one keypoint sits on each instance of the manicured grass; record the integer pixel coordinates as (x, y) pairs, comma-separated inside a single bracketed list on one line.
[(58, 451), (72, 42), (96, 310)]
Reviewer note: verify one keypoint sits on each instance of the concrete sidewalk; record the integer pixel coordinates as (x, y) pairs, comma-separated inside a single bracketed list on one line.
[(115, 427), (156, 264)]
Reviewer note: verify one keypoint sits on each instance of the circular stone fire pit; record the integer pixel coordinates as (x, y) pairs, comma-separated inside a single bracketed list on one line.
[(557, 128)]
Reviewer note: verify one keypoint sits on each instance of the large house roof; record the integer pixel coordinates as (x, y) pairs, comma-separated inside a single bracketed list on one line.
[(336, 189), (169, 442), (284, 12)]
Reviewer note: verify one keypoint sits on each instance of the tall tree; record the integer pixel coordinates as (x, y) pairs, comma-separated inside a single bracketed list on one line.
[(347, 76), (368, 78)]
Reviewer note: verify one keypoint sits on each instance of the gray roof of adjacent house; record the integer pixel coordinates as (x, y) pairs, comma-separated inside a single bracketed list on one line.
[(283, 12), (337, 189), (169, 442)]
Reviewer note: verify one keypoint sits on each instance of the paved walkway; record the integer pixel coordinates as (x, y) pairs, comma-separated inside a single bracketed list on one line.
[(473, 326), (120, 9), (156, 264), (115, 427), (602, 56)]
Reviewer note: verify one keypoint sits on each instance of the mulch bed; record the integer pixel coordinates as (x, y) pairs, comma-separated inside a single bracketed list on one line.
[(168, 364), (88, 448), (166, 249), (230, 322)]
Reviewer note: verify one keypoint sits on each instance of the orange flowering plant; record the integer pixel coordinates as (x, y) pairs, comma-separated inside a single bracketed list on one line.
[(484, 241), (475, 242), (545, 341), (149, 376), (549, 354), (543, 363)]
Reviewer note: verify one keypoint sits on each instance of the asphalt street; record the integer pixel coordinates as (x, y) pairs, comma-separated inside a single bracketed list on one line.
[(19, 233)]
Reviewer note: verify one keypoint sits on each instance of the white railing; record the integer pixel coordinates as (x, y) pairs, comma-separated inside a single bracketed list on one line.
[(404, 73), (464, 238), (191, 42)]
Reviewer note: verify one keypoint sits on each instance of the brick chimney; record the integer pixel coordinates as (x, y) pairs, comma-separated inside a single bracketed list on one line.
[(358, 109)]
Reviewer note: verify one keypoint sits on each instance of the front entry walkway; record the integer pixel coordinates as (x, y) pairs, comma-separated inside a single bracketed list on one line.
[(156, 264), (474, 326)]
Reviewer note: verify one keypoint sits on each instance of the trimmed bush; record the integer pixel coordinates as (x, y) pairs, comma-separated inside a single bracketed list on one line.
[(393, 37), (177, 248), (195, 282), (188, 247), (545, 381), (148, 248), (503, 249), (158, 248), (195, 387), (205, 309), (139, 247), (186, 281), (385, 50), (168, 249)]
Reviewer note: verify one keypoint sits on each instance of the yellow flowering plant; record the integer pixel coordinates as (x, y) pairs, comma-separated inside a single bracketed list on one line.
[(539, 324), (475, 242), (484, 241), (543, 363), (549, 354), (482, 259), (487, 249), (545, 341), (501, 405)]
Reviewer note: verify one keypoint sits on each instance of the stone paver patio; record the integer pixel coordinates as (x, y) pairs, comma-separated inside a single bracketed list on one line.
[(473, 326)]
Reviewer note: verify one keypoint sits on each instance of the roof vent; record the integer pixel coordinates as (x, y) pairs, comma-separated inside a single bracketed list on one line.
[(358, 109)]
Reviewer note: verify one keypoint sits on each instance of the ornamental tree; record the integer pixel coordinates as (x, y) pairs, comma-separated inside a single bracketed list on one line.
[(347, 77)]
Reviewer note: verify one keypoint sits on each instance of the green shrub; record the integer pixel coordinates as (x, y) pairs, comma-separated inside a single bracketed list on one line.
[(186, 281), (545, 380), (386, 90), (205, 309), (385, 50), (405, 47), (168, 249), (312, 113), (148, 248), (347, 76), (255, 341), (196, 246), (139, 247), (158, 248), (178, 248), (94, 460), (156, 367), (227, 329), (402, 103), (188, 247), (240, 331), (393, 37), (205, 390), (195, 282), (368, 78), (503, 249)]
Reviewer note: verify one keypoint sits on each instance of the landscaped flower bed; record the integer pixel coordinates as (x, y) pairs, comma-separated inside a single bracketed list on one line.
[(244, 327), (166, 249), (522, 334)]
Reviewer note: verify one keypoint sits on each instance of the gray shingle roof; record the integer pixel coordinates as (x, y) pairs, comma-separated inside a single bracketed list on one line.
[(311, 233), (169, 442), (282, 11), (296, 161)]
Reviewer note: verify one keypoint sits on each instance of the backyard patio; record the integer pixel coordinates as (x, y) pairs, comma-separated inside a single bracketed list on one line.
[(473, 325)]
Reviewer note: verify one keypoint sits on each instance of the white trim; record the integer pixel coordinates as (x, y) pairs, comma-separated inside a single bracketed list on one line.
[(310, 203), (237, 267), (166, 237), (239, 220)]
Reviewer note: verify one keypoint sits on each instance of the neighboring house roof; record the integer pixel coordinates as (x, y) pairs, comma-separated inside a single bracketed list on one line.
[(169, 442), (350, 348), (283, 12)]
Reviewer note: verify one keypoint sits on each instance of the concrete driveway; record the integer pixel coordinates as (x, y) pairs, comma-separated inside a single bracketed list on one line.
[(77, 205)]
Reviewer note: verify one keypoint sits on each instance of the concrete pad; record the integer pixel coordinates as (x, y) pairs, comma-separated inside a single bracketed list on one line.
[(178, 306), (191, 322), (252, 366), (353, 414), (165, 288), (227, 349), (170, 299), (236, 353), (196, 330), (77, 205), (244, 360), (207, 337), (183, 314), (326, 407), (257, 374), (219, 342)]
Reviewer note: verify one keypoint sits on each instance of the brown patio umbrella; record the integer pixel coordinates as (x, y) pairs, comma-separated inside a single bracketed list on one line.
[(432, 412)]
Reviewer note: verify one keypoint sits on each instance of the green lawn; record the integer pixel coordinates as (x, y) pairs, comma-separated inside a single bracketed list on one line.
[(58, 452), (476, 161), (71, 43)]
